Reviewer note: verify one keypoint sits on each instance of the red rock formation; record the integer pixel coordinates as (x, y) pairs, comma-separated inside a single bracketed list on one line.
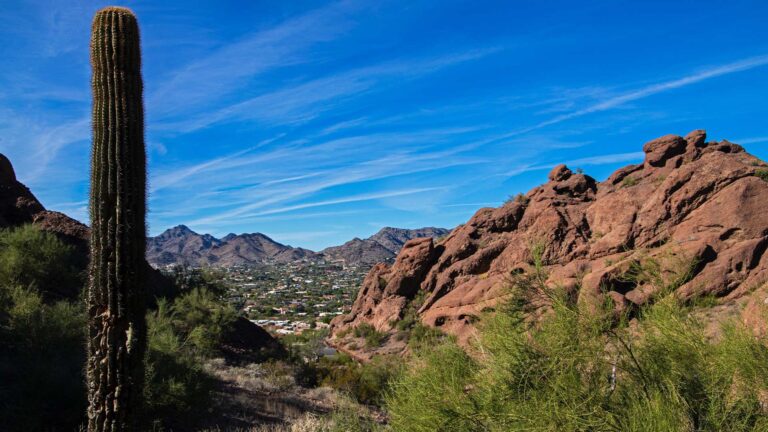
[(690, 200), (17, 204)]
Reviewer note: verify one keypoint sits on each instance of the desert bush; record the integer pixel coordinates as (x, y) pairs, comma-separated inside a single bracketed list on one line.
[(762, 174), (629, 182), (186, 279), (201, 319), (373, 338), (42, 386), (574, 370), (364, 382), (177, 390), (30, 257), (182, 335)]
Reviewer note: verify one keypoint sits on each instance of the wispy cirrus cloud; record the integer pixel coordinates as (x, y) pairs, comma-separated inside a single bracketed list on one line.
[(239, 214), (206, 80), (650, 90), (305, 101), (219, 186), (752, 140), (580, 162)]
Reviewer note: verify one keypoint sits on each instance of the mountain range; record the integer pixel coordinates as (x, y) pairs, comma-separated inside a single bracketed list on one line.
[(181, 245)]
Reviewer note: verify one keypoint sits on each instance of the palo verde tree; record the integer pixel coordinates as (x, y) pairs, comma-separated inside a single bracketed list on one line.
[(116, 293)]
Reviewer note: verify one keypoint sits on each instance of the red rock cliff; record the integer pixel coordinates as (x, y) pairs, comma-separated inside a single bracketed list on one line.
[(703, 201)]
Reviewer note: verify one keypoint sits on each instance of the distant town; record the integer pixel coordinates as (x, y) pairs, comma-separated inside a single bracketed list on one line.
[(289, 298)]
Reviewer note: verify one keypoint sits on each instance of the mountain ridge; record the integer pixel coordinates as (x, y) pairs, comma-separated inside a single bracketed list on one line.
[(180, 245)]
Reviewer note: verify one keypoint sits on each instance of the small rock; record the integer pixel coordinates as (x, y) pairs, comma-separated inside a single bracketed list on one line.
[(697, 138), (658, 151), (560, 173)]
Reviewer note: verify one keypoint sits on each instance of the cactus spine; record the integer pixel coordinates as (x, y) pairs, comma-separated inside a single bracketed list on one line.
[(116, 292)]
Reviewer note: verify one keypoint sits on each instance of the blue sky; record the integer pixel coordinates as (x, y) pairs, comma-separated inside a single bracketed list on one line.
[(315, 122)]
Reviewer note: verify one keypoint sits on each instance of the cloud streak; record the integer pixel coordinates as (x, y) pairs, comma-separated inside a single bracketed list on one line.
[(651, 90), (586, 161), (286, 209), (306, 101), (217, 75)]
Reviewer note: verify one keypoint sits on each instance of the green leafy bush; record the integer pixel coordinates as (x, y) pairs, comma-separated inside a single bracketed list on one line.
[(30, 257), (629, 182), (177, 390), (762, 174), (365, 382), (181, 335), (42, 340), (201, 319), (373, 338), (42, 386), (577, 370)]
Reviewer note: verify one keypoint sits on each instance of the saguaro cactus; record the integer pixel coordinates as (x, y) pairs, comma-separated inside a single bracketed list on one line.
[(116, 294)]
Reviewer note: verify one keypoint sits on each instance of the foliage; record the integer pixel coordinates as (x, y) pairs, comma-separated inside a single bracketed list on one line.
[(42, 339), (41, 363), (365, 382), (518, 198), (182, 335), (186, 279), (42, 383), (177, 388), (576, 370), (762, 174), (629, 181), (201, 320), (30, 257), (373, 338)]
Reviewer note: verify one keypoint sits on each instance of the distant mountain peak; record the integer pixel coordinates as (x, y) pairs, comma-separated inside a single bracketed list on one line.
[(181, 245), (380, 247)]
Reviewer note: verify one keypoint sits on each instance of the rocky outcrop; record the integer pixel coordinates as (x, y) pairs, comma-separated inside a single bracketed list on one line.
[(17, 204), (690, 203)]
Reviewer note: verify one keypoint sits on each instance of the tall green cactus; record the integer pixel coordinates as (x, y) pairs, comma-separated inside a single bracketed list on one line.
[(116, 294)]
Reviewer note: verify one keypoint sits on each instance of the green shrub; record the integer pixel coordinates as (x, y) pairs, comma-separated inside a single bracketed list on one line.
[(42, 335), (373, 338), (629, 182), (762, 174), (30, 257), (421, 335), (201, 319), (518, 198), (42, 386), (365, 382), (177, 390), (182, 335), (186, 279), (576, 370)]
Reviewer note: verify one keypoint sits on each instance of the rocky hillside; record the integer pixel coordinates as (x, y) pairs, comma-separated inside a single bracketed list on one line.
[(690, 203), (380, 247), (181, 245)]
